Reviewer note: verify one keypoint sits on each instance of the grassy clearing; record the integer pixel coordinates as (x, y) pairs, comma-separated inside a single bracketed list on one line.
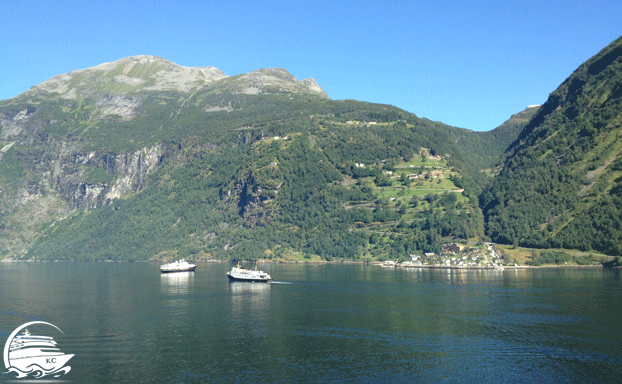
[(514, 255), (418, 162), (521, 256), (404, 193), (417, 188)]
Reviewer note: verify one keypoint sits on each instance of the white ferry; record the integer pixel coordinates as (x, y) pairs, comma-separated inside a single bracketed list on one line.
[(178, 266), (27, 351), (252, 275)]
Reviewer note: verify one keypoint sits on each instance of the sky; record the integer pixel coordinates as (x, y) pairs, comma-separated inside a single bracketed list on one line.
[(470, 64)]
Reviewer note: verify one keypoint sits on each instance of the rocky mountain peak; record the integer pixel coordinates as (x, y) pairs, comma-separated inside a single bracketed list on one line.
[(272, 80), (314, 86), (130, 74), (152, 73)]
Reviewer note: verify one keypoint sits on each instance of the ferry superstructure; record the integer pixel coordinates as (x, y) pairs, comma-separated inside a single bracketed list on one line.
[(178, 266), (251, 275)]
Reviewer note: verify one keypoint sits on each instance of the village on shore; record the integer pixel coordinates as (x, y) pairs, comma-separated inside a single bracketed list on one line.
[(455, 255)]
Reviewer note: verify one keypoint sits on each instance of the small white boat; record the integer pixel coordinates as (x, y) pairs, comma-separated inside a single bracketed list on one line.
[(251, 275), (178, 266), (389, 264)]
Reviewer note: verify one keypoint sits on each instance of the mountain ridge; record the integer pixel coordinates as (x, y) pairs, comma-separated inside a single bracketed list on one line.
[(153, 73)]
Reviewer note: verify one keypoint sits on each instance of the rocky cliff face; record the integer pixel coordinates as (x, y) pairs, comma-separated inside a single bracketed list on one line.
[(44, 179), (67, 169), (55, 188), (129, 171), (16, 121)]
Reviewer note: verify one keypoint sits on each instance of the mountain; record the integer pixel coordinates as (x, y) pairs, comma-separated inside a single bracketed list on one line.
[(151, 73), (506, 133), (561, 182), (145, 159)]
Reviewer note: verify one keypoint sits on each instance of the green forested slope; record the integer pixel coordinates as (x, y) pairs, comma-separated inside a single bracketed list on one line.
[(506, 133), (250, 166), (561, 182), (241, 193)]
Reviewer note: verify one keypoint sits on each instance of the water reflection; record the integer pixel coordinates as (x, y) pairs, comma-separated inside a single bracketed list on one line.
[(250, 307), (176, 283), (249, 297)]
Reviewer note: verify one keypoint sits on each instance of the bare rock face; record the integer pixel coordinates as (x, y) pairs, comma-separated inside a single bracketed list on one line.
[(131, 74), (274, 80), (314, 87), (151, 73), (125, 107), (14, 123), (130, 172)]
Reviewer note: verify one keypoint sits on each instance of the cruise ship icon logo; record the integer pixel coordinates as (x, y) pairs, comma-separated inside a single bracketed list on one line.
[(34, 356)]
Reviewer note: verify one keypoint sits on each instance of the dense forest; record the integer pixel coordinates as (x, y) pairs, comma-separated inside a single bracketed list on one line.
[(561, 181)]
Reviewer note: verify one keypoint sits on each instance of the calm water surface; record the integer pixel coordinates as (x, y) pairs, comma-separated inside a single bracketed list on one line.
[(125, 322)]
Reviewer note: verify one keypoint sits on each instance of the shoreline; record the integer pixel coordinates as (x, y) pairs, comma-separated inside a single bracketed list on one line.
[(379, 264)]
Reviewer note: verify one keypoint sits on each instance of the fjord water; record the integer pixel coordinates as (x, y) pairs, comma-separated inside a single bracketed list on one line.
[(126, 322)]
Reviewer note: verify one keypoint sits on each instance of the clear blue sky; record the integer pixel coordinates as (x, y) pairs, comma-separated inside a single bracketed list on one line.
[(470, 64)]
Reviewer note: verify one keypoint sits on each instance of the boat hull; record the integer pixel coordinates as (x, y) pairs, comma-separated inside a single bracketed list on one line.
[(191, 269), (248, 279)]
